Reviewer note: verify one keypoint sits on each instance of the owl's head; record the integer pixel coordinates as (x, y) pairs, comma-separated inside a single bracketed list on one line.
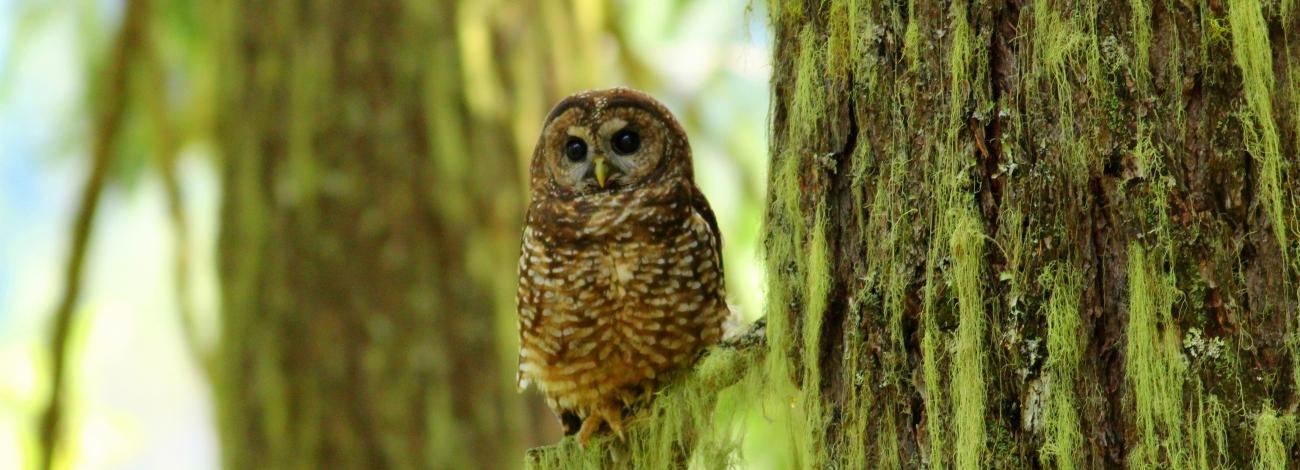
[(606, 141)]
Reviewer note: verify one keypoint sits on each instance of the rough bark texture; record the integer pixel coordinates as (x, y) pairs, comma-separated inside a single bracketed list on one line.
[(369, 230), (1006, 234)]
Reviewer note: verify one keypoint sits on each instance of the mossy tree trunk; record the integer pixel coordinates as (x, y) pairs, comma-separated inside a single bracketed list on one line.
[(1005, 234), (371, 195)]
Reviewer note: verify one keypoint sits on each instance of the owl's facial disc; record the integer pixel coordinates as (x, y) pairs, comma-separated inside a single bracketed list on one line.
[(612, 147)]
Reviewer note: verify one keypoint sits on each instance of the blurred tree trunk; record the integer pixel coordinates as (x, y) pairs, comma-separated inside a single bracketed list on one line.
[(1005, 234), (372, 185)]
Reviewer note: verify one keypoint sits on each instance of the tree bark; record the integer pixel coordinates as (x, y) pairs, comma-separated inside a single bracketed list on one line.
[(1008, 234), (369, 230)]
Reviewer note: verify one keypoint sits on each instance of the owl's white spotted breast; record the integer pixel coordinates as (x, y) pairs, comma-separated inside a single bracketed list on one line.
[(614, 293)]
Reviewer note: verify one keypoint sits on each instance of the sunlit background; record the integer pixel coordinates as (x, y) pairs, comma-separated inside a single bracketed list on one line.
[(135, 397)]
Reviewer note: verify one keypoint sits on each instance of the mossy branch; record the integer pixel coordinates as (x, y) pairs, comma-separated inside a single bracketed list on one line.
[(675, 426), (108, 125)]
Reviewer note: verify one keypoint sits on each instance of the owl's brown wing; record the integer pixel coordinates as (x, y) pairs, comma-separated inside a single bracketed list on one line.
[(532, 257), (701, 206)]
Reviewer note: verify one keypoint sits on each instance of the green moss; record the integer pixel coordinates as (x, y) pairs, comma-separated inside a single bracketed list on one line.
[(787, 12), (783, 256), (1253, 54), (818, 285), (934, 401), (695, 421), (1141, 23), (1056, 43), (887, 443), (840, 55), (1210, 432), (1173, 86), (962, 82), (892, 218), (808, 105), (912, 39), (1153, 366), (851, 446), (1064, 440), (1272, 436), (785, 267), (955, 220), (799, 266), (1213, 31), (866, 61), (968, 387), (1293, 76)]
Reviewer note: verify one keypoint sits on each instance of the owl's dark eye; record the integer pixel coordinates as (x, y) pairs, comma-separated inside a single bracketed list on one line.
[(575, 149), (625, 142)]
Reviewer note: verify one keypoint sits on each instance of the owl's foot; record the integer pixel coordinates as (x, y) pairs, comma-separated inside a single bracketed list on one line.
[(616, 423), (613, 416)]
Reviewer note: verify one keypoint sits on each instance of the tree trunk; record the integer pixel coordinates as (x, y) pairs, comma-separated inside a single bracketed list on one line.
[(1020, 234), (369, 231), (1005, 234)]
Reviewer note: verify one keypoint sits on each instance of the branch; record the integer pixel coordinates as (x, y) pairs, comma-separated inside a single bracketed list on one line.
[(109, 123), (666, 431)]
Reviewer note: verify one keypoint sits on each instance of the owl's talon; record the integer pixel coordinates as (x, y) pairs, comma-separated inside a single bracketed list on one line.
[(617, 426), (613, 416), (589, 427)]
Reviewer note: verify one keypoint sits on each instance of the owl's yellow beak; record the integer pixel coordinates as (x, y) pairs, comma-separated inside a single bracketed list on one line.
[(602, 170)]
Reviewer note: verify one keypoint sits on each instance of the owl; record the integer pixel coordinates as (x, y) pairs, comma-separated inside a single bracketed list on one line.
[(620, 271)]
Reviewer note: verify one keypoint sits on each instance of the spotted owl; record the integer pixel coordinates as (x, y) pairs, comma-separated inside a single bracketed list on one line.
[(620, 272)]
